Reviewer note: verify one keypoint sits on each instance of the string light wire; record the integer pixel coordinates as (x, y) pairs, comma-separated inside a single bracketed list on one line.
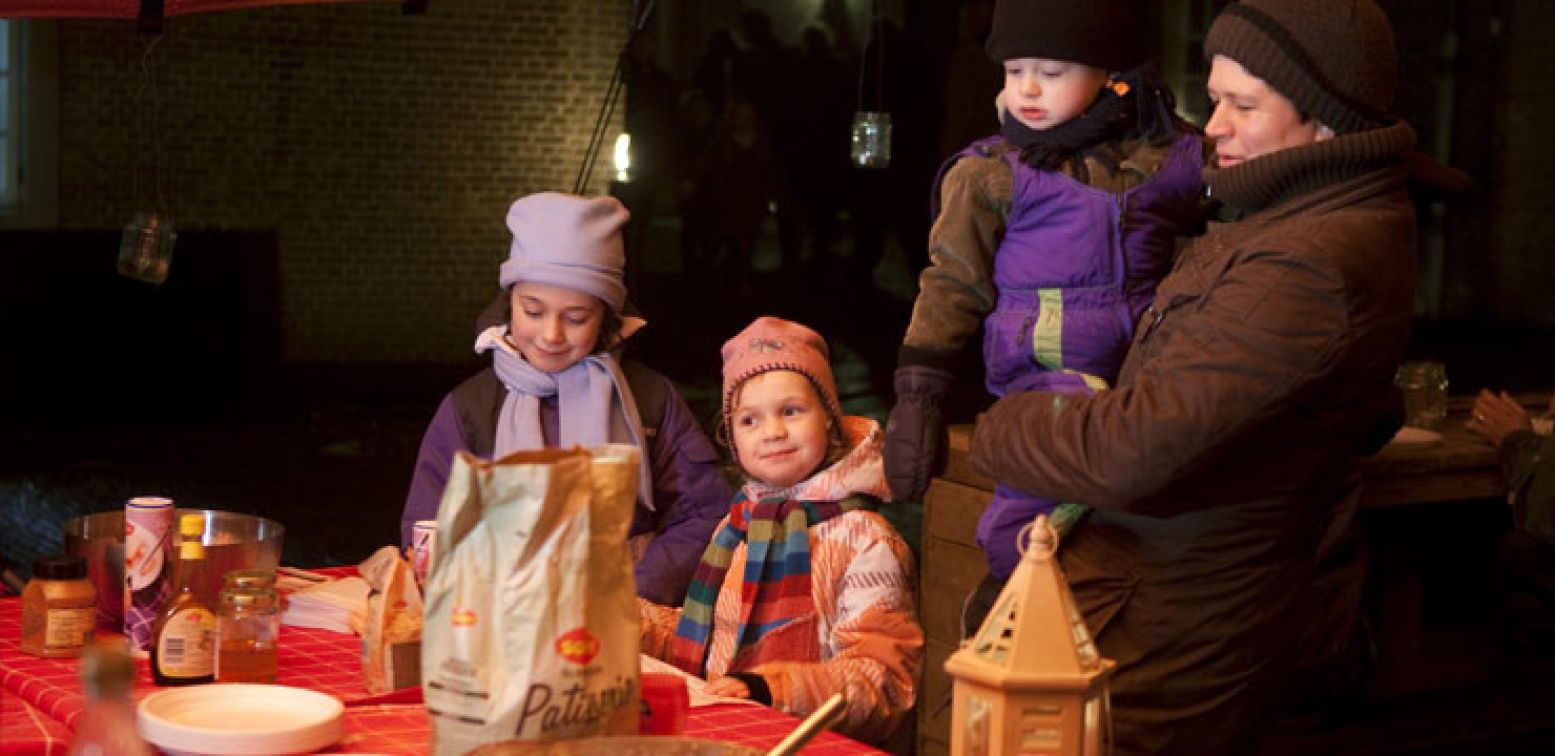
[(641, 12)]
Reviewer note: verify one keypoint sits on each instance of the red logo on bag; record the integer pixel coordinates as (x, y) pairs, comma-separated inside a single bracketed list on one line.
[(577, 646), (464, 618)]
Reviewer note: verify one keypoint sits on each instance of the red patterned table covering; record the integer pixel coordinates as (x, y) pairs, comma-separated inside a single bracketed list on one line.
[(26, 730), (316, 659), (41, 698)]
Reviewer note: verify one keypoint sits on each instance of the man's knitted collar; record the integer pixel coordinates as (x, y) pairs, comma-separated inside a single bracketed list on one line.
[(1271, 179)]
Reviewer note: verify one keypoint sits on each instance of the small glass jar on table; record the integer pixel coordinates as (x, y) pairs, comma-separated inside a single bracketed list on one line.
[(248, 626), (1424, 385), (59, 608)]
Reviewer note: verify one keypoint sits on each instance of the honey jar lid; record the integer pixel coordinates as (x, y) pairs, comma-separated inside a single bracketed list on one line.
[(61, 567), (249, 579), (249, 599)]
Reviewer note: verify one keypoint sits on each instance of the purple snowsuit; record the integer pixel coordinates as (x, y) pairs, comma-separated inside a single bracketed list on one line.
[(690, 493), (1075, 270)]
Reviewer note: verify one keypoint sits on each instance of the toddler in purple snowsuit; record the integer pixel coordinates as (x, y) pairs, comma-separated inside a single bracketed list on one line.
[(1051, 236)]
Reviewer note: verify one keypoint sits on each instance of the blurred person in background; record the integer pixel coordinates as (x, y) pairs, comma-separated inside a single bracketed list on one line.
[(1525, 585)]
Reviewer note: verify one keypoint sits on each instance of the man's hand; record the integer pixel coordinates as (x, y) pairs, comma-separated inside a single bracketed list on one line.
[(1497, 416)]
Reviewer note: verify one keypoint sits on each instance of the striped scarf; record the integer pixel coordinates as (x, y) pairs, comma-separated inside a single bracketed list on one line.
[(776, 591)]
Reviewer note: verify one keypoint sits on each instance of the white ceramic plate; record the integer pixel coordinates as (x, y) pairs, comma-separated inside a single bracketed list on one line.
[(240, 718)]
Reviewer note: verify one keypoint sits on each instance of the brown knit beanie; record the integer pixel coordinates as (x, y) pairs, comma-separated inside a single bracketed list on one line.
[(1334, 59), (1098, 33)]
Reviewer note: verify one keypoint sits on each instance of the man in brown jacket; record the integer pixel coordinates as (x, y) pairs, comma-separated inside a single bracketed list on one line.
[(1224, 467)]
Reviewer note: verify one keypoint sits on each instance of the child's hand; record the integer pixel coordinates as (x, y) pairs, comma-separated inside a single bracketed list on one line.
[(729, 687)]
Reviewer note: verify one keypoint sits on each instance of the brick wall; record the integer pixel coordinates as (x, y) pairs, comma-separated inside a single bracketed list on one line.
[(383, 149), (1522, 205)]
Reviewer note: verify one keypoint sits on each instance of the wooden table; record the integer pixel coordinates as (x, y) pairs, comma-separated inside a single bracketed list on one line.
[(1462, 466), (41, 699)]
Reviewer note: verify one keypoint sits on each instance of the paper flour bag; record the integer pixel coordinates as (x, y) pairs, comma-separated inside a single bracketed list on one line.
[(391, 631), (531, 625)]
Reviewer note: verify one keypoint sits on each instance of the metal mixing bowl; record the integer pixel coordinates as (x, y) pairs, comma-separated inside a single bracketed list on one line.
[(233, 541)]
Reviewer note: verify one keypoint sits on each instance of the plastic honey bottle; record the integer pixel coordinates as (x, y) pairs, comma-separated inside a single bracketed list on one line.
[(107, 724), (183, 642)]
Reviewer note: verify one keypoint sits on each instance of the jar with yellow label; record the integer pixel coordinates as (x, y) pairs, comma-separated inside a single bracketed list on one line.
[(59, 608)]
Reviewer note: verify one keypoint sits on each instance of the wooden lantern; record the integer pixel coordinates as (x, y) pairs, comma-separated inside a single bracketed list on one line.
[(1030, 681)]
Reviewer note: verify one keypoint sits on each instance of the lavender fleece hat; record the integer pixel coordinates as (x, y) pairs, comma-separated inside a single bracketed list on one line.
[(568, 241)]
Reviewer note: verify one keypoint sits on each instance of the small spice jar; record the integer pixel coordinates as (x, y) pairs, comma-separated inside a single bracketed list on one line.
[(248, 625), (59, 608)]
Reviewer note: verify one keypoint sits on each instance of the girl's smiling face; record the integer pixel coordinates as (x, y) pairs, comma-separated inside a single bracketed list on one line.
[(779, 427), (553, 327)]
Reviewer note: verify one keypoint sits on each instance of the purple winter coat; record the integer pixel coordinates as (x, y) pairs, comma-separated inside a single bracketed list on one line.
[(690, 493), (1077, 267)]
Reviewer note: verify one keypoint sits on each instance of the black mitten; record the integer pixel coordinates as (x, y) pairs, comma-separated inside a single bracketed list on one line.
[(915, 434)]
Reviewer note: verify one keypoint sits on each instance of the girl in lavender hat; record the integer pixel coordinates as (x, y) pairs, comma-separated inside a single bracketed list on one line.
[(556, 380)]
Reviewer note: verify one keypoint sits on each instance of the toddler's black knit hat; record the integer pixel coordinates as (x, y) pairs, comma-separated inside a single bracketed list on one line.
[(1099, 33), (1334, 59)]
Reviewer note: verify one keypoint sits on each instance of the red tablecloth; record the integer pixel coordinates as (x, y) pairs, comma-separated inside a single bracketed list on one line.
[(24, 729), (41, 698)]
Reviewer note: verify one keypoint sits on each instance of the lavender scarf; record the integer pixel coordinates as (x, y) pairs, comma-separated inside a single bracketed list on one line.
[(594, 405)]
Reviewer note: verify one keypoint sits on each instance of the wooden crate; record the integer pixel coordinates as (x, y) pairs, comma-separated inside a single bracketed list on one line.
[(953, 566)]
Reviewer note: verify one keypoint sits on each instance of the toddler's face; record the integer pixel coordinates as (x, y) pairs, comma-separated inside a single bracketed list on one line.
[(552, 326), (779, 426), (1042, 93)]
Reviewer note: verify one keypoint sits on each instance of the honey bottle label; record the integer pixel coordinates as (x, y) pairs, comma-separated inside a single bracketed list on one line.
[(186, 647)]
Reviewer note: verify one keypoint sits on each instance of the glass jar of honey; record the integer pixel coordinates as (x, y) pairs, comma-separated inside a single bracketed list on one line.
[(59, 608), (248, 625)]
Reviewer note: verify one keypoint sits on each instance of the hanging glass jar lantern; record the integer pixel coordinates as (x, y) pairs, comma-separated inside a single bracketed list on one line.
[(871, 145), (146, 247)]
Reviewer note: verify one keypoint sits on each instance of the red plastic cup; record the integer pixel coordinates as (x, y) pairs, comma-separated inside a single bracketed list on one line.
[(665, 703)]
